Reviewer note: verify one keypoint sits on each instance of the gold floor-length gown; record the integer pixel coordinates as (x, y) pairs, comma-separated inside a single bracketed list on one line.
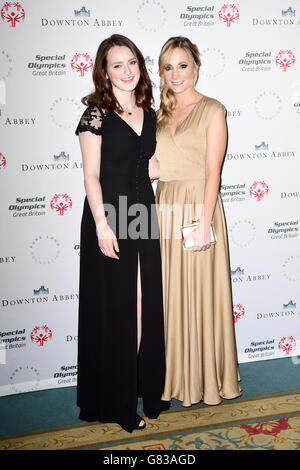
[(201, 360)]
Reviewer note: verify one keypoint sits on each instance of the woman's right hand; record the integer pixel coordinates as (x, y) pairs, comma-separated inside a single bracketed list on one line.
[(153, 168), (107, 240)]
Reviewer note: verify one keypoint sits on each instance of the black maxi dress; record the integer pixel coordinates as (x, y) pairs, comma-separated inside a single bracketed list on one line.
[(111, 373)]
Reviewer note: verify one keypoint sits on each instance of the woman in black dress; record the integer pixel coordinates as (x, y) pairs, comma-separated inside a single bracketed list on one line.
[(120, 336)]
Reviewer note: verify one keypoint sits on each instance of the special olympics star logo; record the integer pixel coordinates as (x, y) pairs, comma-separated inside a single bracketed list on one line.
[(81, 63), (238, 312), (287, 344), (2, 161), (259, 190), (12, 13), (229, 14), (61, 203), (40, 335), (285, 59)]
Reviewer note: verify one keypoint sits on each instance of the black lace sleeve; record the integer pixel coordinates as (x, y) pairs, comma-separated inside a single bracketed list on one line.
[(91, 120)]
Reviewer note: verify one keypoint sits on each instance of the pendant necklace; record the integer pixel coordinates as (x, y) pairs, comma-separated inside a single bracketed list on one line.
[(130, 112)]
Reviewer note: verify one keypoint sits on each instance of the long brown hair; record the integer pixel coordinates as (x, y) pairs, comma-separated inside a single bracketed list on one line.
[(103, 95), (167, 96)]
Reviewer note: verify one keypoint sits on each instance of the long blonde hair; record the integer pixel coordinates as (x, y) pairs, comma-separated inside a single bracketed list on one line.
[(167, 96)]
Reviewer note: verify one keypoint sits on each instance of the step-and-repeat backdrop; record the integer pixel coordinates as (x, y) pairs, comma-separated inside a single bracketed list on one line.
[(250, 53)]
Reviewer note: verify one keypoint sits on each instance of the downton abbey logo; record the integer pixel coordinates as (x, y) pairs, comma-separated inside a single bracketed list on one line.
[(12, 13), (289, 12), (262, 151), (42, 295), (286, 312), (239, 275), (283, 18), (59, 162), (83, 12), (82, 18)]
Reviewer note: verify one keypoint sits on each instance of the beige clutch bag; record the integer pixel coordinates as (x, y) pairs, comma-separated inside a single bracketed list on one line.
[(186, 229)]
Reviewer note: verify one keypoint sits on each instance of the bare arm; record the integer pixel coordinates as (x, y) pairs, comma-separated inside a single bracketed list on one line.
[(216, 139), (215, 150), (90, 145), (153, 168)]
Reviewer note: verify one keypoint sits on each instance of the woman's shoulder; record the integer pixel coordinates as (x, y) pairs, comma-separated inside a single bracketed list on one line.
[(91, 120), (95, 109), (213, 103)]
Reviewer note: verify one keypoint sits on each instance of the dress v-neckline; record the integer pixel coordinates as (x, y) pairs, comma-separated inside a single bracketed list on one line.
[(187, 116), (139, 135)]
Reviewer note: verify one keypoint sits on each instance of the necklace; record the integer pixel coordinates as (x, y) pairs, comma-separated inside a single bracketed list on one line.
[(130, 112)]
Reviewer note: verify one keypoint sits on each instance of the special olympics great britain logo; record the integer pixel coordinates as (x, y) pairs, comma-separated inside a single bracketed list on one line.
[(238, 312), (259, 190), (12, 13), (287, 344), (151, 16), (81, 63), (285, 59), (40, 335), (228, 14), (61, 203), (2, 161)]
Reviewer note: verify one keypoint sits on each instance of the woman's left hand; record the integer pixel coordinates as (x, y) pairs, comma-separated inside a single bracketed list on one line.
[(201, 237)]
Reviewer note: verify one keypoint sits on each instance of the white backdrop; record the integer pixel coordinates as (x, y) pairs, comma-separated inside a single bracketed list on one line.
[(250, 52)]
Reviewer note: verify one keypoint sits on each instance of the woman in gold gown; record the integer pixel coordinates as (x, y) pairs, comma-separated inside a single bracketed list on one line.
[(201, 360)]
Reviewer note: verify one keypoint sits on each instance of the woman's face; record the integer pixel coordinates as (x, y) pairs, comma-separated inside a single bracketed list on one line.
[(179, 70), (122, 68)]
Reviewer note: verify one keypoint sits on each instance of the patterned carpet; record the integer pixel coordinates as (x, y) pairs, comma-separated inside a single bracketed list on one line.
[(263, 422)]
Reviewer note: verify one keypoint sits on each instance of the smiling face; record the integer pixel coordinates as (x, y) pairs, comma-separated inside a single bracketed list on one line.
[(179, 70), (122, 69)]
